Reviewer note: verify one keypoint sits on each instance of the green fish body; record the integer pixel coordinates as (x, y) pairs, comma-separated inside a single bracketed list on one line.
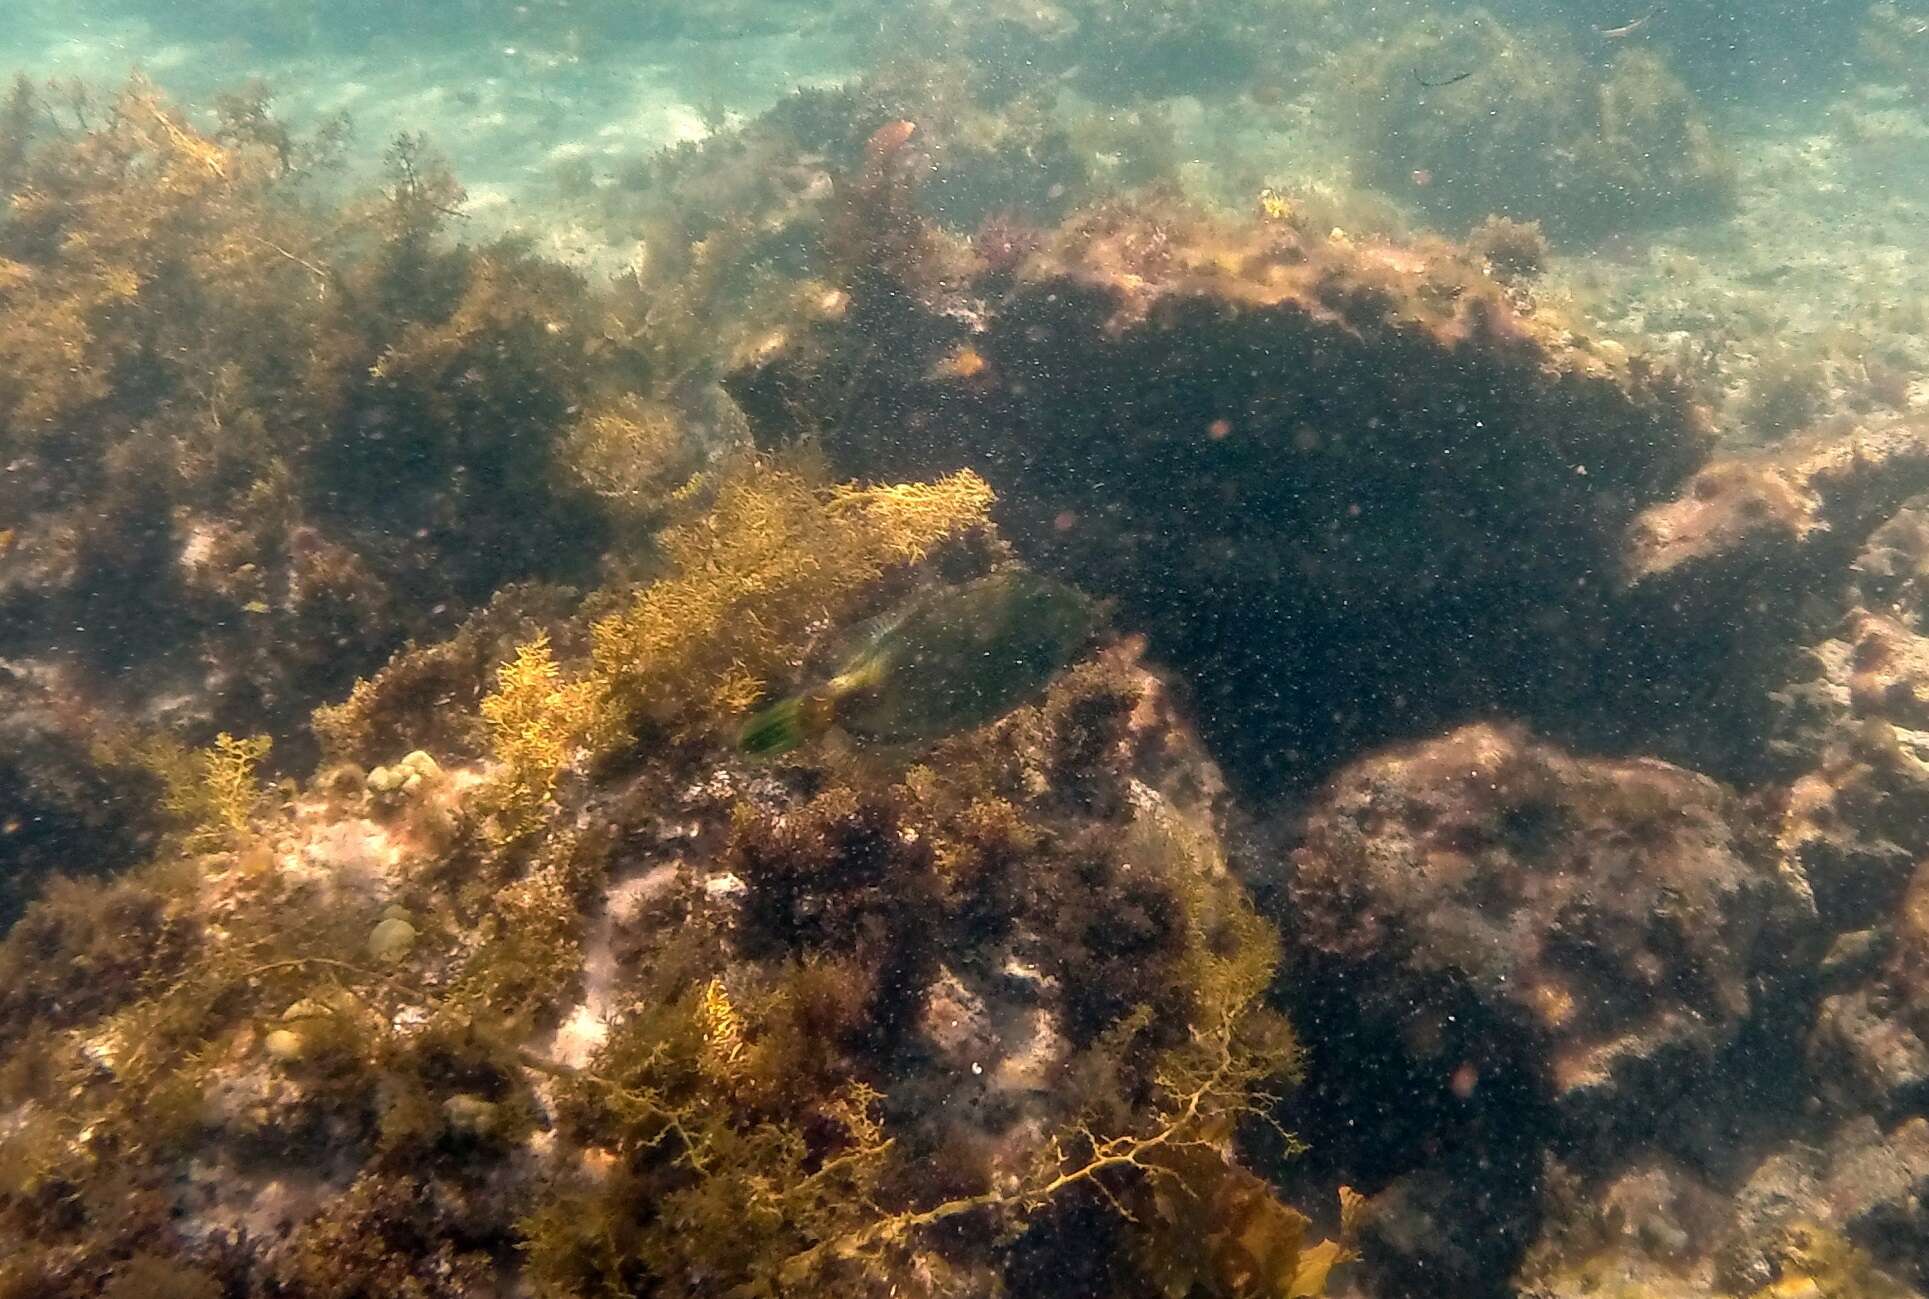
[(948, 661)]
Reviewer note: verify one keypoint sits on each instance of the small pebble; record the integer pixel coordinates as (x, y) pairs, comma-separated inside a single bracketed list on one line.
[(471, 1114), (391, 940)]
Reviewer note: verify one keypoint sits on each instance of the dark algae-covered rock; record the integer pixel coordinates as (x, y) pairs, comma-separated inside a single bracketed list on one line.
[(62, 809), (1346, 486)]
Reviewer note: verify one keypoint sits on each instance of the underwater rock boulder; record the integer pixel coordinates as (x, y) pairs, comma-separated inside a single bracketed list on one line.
[(1641, 1229), (1592, 985), (1892, 572), (1890, 670), (1472, 116), (1868, 1046), (1438, 1231), (1350, 489), (62, 810), (1858, 820), (1843, 1208), (1854, 818), (1865, 1052), (1781, 514), (1877, 1188), (1855, 824), (1836, 1214), (1758, 554), (1595, 924)]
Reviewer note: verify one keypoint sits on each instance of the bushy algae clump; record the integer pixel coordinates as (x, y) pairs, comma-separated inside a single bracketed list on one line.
[(775, 1128), (1469, 116), (538, 980), (384, 983), (770, 553), (258, 436)]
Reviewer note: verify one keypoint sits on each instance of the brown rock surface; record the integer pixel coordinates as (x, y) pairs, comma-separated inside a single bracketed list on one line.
[(1782, 510), (1602, 920), (1856, 825), (1836, 1215)]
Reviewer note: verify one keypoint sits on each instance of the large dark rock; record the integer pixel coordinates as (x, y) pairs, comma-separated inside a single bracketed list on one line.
[(1354, 491), (61, 810)]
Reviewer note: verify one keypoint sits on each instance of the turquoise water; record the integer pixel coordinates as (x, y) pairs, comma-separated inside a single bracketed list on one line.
[(1815, 108)]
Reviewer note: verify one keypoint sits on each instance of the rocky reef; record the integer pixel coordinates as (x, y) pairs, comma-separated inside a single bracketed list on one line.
[(1574, 983), (1482, 854), (666, 1021), (1826, 1196)]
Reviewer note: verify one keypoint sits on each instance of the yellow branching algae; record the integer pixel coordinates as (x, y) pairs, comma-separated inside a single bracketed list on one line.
[(629, 451), (534, 717), (208, 794), (428, 695), (765, 1179), (71, 319), (773, 554), (528, 952)]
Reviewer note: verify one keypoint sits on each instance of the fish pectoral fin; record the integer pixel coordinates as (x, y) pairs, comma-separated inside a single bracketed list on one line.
[(866, 673)]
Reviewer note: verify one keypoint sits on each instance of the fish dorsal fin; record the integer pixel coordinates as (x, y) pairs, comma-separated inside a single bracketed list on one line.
[(862, 641)]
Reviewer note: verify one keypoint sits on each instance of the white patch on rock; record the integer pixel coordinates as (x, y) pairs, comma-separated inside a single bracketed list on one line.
[(585, 1027), (579, 1036), (354, 854)]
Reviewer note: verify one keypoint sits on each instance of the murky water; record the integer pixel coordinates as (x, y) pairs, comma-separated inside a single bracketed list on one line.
[(1182, 648)]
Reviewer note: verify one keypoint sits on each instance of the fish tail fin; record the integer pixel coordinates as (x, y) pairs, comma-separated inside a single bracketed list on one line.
[(783, 726)]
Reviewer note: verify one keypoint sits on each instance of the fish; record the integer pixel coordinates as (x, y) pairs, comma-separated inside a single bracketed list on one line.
[(1626, 29), (948, 660), (1453, 80), (889, 139)]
